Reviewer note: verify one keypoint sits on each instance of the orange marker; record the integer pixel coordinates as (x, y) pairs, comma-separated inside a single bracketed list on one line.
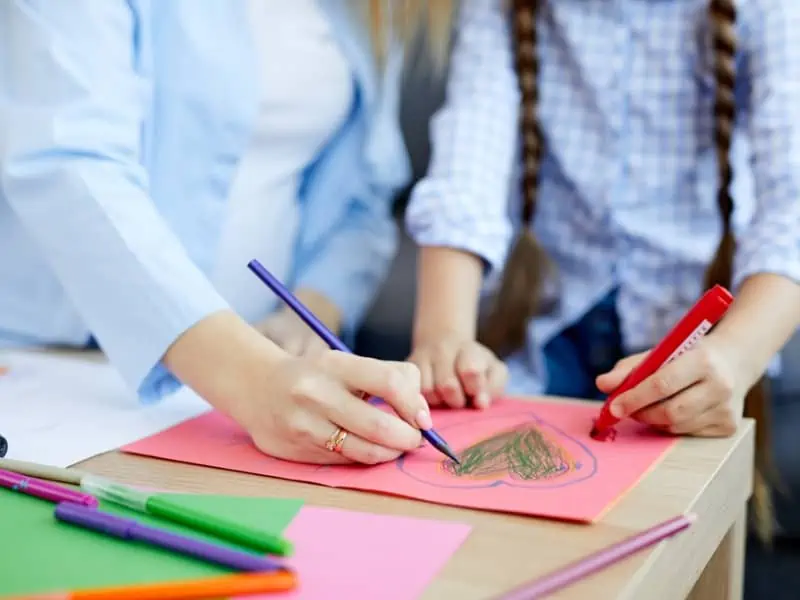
[(217, 587)]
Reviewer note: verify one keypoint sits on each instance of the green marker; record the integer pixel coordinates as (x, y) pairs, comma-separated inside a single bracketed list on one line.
[(158, 506)]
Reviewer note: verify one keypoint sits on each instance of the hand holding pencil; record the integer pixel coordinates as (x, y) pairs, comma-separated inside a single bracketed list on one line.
[(304, 409)]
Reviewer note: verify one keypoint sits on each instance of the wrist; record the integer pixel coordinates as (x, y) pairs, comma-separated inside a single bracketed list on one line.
[(738, 355), (448, 291), (425, 333), (758, 324), (214, 356)]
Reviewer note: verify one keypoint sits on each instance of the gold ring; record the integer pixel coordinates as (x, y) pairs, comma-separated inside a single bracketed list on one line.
[(334, 443)]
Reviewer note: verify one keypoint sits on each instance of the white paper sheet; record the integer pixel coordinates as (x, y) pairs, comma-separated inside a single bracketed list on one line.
[(59, 410)]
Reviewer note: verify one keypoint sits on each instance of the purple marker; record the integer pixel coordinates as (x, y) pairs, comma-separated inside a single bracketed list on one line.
[(333, 342), (128, 529), (46, 490)]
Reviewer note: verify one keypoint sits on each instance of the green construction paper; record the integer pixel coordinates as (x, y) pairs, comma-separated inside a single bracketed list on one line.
[(39, 554)]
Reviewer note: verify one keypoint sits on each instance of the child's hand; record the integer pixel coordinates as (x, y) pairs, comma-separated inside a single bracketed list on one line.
[(697, 394), (455, 370), (289, 331)]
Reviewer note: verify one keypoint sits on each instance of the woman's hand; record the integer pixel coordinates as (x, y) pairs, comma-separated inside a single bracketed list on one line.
[(699, 393), (456, 371), (292, 406), (300, 402), (289, 331)]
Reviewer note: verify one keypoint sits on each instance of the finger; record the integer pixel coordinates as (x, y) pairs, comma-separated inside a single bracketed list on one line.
[(358, 450), (608, 382), (717, 421), (396, 382), (678, 412), (374, 425), (310, 434), (471, 365), (425, 377), (716, 430), (668, 381), (446, 381), (302, 438), (497, 377)]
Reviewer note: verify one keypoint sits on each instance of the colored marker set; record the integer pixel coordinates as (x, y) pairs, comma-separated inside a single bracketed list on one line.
[(81, 509)]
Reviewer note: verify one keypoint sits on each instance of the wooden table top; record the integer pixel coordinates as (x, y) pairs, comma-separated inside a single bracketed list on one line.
[(710, 477)]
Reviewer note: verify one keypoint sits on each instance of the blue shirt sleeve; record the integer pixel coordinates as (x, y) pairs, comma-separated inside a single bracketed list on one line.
[(351, 265), (462, 202), (71, 111)]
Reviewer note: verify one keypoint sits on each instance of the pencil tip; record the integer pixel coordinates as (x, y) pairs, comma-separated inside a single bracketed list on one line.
[(452, 456)]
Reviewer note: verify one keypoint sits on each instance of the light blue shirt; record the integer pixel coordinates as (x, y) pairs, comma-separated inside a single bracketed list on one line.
[(627, 185), (121, 126)]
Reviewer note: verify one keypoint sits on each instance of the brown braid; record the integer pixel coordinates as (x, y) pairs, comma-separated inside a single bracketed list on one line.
[(518, 297), (722, 14)]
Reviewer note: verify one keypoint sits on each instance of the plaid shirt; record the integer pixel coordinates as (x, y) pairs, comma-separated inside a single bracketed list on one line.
[(627, 193)]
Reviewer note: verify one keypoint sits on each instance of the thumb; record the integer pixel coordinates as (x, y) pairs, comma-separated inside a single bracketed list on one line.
[(608, 382)]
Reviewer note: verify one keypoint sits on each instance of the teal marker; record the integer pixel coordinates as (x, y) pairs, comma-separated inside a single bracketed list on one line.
[(159, 506)]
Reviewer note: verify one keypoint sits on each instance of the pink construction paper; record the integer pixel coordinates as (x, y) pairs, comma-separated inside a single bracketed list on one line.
[(363, 556), (584, 479)]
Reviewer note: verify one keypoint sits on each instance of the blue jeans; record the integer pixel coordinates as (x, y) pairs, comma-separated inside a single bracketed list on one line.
[(590, 347)]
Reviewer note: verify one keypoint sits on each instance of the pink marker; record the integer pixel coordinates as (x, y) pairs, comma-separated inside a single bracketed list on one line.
[(45, 490), (566, 576)]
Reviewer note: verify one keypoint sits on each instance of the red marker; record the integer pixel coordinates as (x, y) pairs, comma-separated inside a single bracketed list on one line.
[(689, 330)]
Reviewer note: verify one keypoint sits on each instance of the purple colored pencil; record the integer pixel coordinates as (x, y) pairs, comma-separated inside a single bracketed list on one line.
[(333, 342), (46, 490), (131, 530), (574, 572)]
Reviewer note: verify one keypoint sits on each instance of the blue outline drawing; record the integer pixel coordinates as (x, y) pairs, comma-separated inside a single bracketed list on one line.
[(588, 466)]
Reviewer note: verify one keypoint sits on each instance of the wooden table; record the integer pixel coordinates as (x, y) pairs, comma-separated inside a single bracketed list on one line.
[(712, 478)]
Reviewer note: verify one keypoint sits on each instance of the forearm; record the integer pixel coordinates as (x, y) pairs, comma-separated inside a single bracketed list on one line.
[(448, 293), (208, 356), (763, 317)]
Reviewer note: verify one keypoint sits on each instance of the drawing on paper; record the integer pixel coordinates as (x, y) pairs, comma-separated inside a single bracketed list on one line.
[(517, 451), (524, 452)]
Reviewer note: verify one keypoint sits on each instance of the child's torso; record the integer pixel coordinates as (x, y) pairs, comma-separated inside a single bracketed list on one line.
[(627, 193)]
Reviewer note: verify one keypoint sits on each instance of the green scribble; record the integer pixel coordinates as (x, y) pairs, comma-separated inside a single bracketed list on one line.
[(523, 453)]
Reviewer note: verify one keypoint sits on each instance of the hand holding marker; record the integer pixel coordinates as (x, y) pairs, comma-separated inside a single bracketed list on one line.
[(708, 311)]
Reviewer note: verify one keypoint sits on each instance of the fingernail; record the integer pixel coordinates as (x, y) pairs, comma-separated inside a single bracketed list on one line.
[(482, 400), (424, 420)]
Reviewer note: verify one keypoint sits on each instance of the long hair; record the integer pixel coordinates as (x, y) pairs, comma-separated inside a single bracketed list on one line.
[(403, 20), (517, 299)]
